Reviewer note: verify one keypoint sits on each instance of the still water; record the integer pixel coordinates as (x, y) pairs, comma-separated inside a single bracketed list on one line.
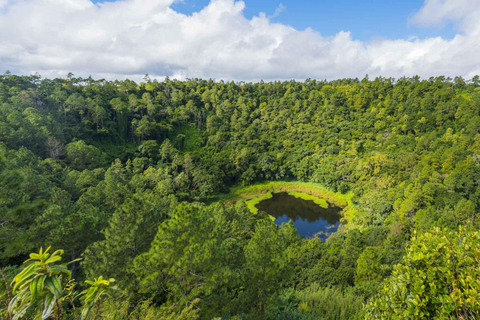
[(308, 217)]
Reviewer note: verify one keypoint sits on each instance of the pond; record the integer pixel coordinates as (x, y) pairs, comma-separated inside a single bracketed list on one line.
[(308, 217)]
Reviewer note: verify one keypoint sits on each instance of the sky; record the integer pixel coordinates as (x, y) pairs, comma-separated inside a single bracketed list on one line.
[(366, 20), (248, 40)]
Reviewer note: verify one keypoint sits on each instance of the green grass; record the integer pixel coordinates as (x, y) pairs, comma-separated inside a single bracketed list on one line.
[(321, 202), (315, 192), (251, 204)]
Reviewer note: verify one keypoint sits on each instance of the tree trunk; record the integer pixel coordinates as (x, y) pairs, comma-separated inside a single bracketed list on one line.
[(73, 264)]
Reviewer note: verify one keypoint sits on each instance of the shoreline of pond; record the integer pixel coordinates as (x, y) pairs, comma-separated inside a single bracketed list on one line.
[(315, 192), (309, 218)]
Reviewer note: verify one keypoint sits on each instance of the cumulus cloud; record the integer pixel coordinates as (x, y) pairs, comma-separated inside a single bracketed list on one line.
[(129, 38), (439, 12)]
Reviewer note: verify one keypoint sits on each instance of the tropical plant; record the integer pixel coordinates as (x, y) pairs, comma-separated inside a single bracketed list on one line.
[(41, 287), (92, 296)]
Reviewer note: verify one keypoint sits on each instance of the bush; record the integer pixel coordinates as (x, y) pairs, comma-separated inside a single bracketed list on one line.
[(331, 303), (437, 279)]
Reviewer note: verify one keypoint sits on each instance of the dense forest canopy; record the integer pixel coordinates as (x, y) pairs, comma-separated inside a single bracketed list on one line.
[(125, 176)]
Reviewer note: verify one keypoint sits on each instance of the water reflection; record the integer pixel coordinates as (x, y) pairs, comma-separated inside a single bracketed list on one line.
[(308, 217)]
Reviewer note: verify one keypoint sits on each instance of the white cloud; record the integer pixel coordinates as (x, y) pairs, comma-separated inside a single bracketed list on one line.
[(281, 8), (438, 12), (129, 38)]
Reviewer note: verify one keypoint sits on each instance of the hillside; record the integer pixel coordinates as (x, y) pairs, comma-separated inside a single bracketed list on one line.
[(132, 177)]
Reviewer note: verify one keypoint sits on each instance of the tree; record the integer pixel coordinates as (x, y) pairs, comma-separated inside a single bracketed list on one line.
[(180, 260), (24, 194), (82, 156), (437, 279), (199, 253), (122, 112), (54, 148), (265, 260), (167, 150), (129, 234), (150, 149), (98, 115), (368, 266), (126, 307)]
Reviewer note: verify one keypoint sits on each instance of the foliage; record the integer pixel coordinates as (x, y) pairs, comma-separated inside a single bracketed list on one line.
[(331, 303), (284, 306), (251, 204), (119, 172), (265, 262), (437, 279), (368, 266), (82, 156), (122, 308), (41, 287), (92, 296), (307, 190)]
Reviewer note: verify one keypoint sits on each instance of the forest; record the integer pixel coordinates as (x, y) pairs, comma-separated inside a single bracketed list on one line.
[(111, 193)]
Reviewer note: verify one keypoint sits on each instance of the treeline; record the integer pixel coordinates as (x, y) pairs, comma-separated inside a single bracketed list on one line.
[(121, 174)]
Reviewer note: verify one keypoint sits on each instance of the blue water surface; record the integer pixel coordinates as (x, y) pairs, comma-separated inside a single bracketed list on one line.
[(307, 217)]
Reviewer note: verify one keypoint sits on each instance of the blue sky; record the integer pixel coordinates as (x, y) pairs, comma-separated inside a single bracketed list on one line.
[(367, 19)]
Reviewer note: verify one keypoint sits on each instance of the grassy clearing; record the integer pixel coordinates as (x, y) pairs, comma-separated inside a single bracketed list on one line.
[(253, 194), (251, 204)]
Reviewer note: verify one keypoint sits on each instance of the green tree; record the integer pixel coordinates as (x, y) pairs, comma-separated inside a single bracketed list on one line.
[(181, 257), (129, 234), (437, 279), (265, 261), (368, 266), (82, 156)]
